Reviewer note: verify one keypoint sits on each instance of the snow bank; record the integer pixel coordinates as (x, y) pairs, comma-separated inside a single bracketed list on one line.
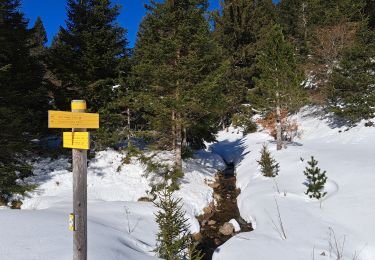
[(194, 192), (43, 234), (119, 227), (348, 209), (105, 181)]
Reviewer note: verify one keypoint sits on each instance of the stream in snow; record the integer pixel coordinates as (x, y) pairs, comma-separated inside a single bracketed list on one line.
[(222, 218)]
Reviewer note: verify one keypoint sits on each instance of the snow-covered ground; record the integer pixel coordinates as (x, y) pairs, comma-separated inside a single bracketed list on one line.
[(347, 212), (119, 227)]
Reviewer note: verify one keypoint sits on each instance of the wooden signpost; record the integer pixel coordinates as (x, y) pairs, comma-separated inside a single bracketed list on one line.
[(79, 141)]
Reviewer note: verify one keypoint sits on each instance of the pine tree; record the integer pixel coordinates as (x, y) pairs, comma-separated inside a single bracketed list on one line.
[(294, 17), (38, 39), (175, 63), (316, 180), (237, 29), (328, 13), (122, 118), (329, 27), (268, 165), (352, 93), (89, 55), (22, 97), (173, 239), (278, 86)]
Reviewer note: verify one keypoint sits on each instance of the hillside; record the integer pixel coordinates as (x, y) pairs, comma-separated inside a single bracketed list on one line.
[(120, 227), (347, 210)]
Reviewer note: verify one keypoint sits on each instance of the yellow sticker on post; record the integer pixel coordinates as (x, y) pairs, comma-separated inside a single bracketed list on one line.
[(72, 222), (76, 140)]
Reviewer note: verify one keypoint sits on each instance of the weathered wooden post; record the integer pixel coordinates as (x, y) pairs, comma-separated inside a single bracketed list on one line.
[(79, 141), (79, 191)]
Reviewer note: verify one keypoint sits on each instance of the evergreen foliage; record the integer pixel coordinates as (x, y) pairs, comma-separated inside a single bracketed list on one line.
[(294, 17), (38, 39), (90, 55), (194, 253), (22, 98), (237, 30), (278, 86), (243, 118), (280, 77), (173, 239), (316, 180), (191, 73), (352, 87), (176, 64), (89, 58), (320, 30), (268, 165)]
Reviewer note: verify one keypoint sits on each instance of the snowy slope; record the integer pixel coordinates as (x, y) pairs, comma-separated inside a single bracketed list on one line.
[(348, 209), (119, 227), (43, 234)]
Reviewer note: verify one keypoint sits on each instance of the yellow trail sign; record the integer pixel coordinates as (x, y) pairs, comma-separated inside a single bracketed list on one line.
[(76, 140), (60, 119)]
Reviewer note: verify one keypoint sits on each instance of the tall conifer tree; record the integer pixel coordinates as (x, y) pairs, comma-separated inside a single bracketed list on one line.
[(237, 29), (175, 60), (22, 97), (90, 54), (278, 86), (38, 39), (295, 18), (352, 87)]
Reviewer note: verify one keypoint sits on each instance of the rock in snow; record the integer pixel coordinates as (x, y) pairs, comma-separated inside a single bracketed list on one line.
[(235, 224), (227, 229)]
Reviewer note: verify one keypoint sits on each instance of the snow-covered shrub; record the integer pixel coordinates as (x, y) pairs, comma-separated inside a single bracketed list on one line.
[(244, 119)]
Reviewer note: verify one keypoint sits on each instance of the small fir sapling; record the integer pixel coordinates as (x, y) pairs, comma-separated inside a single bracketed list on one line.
[(174, 239), (269, 166), (316, 180)]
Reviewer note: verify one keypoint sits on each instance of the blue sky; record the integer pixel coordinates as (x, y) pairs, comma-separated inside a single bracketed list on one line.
[(53, 14)]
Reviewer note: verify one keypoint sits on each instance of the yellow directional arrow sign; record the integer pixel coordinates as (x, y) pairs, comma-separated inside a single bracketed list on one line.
[(76, 140), (60, 119)]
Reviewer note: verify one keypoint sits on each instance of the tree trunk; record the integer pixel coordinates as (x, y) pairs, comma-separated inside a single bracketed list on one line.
[(178, 123), (128, 134), (173, 130), (224, 122), (304, 20), (178, 150), (184, 138), (279, 141)]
